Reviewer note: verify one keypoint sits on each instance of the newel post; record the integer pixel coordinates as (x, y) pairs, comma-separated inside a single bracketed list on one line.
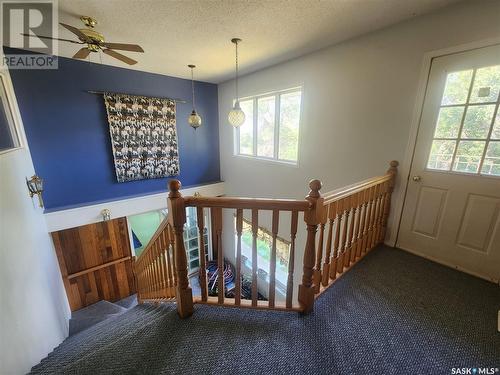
[(177, 219), (312, 218), (393, 171)]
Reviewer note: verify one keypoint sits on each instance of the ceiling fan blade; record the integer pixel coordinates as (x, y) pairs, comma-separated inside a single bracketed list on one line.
[(119, 56), (124, 47), (75, 31), (48, 37), (82, 53)]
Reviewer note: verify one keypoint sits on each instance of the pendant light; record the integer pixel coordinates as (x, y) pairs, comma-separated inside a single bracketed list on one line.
[(194, 118), (236, 116)]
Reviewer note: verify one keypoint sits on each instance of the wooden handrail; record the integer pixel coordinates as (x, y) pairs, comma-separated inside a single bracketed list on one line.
[(248, 203), (92, 269), (340, 193)]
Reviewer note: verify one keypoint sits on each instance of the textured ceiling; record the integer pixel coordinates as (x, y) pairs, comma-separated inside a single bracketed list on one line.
[(176, 33)]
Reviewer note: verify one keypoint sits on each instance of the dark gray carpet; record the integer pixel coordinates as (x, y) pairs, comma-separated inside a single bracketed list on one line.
[(91, 315), (393, 313)]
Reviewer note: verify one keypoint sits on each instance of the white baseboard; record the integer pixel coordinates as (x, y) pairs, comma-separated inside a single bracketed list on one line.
[(75, 217), (458, 268)]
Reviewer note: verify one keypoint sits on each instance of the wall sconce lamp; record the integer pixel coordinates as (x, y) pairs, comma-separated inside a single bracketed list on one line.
[(35, 187), (106, 214)]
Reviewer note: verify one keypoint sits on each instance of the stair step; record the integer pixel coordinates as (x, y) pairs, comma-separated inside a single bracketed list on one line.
[(98, 309)]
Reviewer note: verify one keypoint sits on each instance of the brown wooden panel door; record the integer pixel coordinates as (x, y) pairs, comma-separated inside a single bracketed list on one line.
[(95, 262)]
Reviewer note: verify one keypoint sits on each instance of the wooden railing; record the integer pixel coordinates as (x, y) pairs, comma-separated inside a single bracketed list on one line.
[(154, 269), (351, 221), (355, 221)]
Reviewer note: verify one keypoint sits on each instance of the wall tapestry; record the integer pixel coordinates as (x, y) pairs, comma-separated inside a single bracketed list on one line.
[(143, 136)]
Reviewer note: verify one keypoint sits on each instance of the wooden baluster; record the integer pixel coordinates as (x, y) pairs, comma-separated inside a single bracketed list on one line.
[(220, 267), (164, 246), (383, 201), (326, 265), (352, 209), (170, 257), (291, 259), (159, 262), (148, 275), (156, 270), (312, 218), (161, 268), (200, 216), (319, 254), (367, 220), (335, 256), (378, 215), (255, 228), (344, 241), (361, 216), (372, 217), (393, 170), (239, 230), (177, 217), (356, 199), (272, 263)]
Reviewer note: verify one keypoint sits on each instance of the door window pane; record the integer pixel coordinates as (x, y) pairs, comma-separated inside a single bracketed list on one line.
[(491, 163), (457, 87), (246, 129), (477, 121), (448, 123), (468, 156), (486, 85), (265, 126), (289, 125), (495, 134), (441, 155)]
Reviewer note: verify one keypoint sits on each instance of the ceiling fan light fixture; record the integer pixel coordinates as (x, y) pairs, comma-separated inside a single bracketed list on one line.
[(194, 119), (236, 116)]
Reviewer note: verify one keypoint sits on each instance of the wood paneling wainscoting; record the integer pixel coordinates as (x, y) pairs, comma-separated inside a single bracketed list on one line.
[(95, 262)]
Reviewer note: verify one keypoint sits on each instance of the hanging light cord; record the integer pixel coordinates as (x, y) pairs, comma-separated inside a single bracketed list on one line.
[(237, 98), (192, 88)]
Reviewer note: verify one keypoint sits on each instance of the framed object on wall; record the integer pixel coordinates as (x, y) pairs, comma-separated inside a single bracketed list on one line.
[(143, 136), (9, 136)]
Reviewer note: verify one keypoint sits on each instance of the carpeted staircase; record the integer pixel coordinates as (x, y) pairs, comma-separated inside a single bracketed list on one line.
[(98, 312), (392, 313)]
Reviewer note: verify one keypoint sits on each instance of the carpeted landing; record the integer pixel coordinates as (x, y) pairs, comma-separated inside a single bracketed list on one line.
[(393, 313)]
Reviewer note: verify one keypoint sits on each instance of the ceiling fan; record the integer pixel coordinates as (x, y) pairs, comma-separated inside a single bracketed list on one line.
[(95, 42)]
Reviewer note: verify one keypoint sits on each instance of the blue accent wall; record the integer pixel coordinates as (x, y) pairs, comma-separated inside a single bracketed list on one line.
[(68, 133)]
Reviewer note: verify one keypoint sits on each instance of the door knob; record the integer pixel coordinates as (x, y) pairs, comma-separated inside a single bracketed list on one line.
[(416, 178)]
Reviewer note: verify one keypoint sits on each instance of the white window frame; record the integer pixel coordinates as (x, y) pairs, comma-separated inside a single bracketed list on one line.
[(277, 103)]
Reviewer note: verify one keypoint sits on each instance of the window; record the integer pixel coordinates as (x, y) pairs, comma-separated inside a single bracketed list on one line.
[(467, 133), (264, 246), (271, 127), (9, 139)]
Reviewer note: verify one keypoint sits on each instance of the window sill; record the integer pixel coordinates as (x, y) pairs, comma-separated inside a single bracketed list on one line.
[(268, 160)]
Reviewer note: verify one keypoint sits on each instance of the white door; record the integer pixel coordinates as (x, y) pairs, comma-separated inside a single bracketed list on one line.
[(451, 210)]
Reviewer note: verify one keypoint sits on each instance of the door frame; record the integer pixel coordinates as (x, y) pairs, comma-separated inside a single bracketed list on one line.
[(405, 167)]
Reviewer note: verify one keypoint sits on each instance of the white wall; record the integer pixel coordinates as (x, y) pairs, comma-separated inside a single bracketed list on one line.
[(358, 101), (34, 311)]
